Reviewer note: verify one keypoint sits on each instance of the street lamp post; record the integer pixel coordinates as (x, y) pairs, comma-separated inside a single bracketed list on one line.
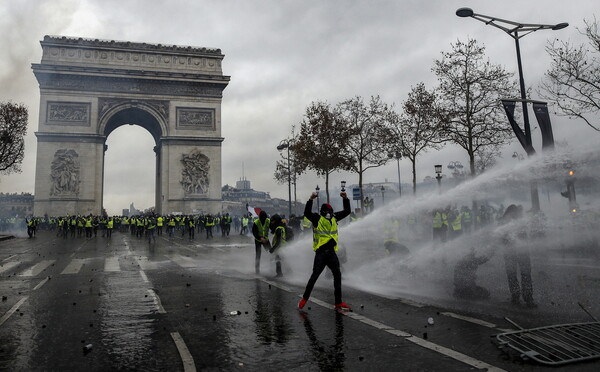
[(397, 156), (517, 30), (382, 195), (282, 146), (318, 202), (438, 176)]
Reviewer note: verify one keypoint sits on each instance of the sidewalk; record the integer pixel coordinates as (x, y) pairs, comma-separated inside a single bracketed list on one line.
[(5, 237)]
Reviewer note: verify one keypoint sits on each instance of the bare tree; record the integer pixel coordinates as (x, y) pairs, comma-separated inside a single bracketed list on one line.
[(470, 89), (13, 127), (371, 137), (322, 141), (573, 80), (419, 126)]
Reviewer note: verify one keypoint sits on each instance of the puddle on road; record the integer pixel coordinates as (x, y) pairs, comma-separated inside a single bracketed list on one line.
[(127, 322)]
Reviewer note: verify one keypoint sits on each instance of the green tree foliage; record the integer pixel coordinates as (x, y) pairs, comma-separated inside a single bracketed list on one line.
[(322, 142), (470, 89), (13, 127), (573, 80), (369, 126)]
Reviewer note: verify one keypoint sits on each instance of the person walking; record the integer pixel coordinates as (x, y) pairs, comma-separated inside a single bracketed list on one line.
[(325, 245), (278, 228), (260, 230)]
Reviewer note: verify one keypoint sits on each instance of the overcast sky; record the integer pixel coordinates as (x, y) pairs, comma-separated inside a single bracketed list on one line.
[(281, 55)]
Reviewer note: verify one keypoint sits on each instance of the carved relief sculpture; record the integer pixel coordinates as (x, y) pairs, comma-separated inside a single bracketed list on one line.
[(64, 173), (194, 174)]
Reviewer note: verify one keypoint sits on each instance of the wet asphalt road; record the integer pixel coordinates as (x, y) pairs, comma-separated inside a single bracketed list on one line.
[(188, 305)]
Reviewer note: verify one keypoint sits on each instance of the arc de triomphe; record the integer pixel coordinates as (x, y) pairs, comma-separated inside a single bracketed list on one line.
[(88, 88)]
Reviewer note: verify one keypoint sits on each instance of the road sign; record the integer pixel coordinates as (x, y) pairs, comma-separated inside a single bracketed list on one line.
[(356, 193)]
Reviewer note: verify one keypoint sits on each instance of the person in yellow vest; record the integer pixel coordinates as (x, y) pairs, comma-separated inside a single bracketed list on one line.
[(88, 227), (110, 224), (391, 239), (455, 223), (325, 245), (171, 226), (209, 222), (278, 228), (191, 225), (439, 225), (260, 231), (150, 226), (159, 225)]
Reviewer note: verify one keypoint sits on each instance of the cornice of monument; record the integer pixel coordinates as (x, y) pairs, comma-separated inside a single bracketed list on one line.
[(60, 40), (70, 51)]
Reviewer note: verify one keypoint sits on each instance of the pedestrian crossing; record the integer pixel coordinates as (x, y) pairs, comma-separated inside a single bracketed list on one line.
[(110, 264)]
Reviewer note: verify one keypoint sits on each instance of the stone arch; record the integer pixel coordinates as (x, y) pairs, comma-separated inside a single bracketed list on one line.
[(136, 113), (90, 87)]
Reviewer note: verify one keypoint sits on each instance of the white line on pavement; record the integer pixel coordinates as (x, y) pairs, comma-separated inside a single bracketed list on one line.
[(156, 299), (409, 337), (8, 258), (112, 264), (74, 266), (186, 357), (40, 284), (469, 319), (9, 265), (37, 268), (12, 310)]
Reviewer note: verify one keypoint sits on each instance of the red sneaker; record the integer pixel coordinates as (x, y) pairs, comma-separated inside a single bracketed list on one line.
[(301, 304), (342, 306)]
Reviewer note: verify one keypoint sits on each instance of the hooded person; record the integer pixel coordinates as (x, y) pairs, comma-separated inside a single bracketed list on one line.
[(325, 246), (260, 231), (278, 228)]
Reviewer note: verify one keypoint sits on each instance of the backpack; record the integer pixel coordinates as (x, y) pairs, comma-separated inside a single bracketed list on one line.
[(289, 234)]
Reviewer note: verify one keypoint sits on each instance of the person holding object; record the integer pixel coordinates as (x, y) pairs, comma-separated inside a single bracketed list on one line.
[(325, 245)]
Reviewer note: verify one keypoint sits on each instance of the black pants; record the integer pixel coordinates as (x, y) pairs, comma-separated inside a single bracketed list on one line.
[(519, 261), (258, 245), (326, 257)]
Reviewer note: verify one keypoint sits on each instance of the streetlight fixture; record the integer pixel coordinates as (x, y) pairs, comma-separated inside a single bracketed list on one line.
[(397, 156), (318, 202), (282, 146), (517, 30), (456, 166), (343, 186), (438, 176)]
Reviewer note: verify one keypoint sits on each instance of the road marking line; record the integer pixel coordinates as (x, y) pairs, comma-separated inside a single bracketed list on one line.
[(156, 299), (74, 266), (111, 264), (37, 268), (453, 354), (8, 258), (41, 284), (469, 319), (181, 261), (144, 277), (184, 353), (12, 310), (9, 266), (414, 339)]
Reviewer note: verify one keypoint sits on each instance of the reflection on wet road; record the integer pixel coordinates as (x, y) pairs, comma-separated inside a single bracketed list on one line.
[(96, 304)]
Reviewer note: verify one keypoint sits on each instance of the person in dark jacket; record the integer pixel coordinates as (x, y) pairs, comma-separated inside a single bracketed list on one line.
[(325, 245), (260, 231)]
